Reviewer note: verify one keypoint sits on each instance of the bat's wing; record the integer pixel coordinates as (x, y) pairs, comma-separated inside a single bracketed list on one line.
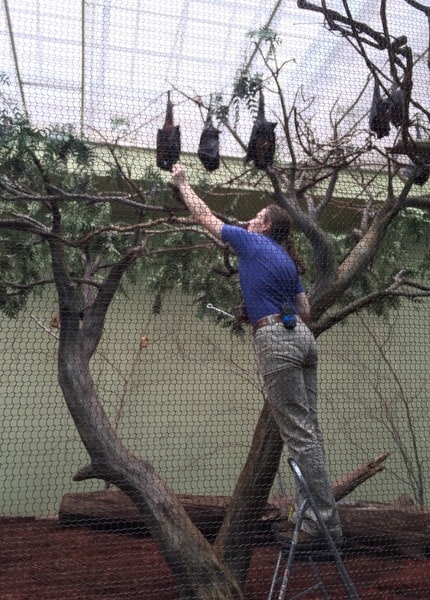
[(208, 150), (379, 118), (397, 98), (262, 143), (168, 146)]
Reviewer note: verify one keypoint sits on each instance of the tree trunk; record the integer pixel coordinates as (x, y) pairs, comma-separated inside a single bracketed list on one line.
[(197, 569), (235, 540)]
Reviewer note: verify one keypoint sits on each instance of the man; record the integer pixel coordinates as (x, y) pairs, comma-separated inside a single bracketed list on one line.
[(278, 310)]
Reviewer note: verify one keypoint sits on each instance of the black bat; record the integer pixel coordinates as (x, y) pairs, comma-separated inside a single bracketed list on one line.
[(396, 99), (168, 140), (420, 173), (262, 143), (208, 150), (379, 119)]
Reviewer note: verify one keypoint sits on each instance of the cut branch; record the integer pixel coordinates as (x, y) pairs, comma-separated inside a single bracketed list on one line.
[(347, 483), (418, 291)]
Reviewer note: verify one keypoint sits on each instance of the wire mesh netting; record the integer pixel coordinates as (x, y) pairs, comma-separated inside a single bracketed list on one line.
[(214, 267)]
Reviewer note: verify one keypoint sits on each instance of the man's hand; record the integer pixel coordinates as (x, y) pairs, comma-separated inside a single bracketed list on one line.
[(179, 177), (179, 181), (199, 210)]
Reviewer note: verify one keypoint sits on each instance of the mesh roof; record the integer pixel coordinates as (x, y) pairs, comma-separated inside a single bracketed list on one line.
[(95, 62)]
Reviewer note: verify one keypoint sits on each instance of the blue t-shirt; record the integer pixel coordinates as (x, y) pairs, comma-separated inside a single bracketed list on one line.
[(268, 275)]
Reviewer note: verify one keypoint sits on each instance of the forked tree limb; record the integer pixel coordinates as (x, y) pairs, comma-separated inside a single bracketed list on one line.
[(347, 483), (114, 505)]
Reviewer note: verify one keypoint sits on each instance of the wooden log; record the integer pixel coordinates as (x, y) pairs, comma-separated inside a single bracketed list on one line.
[(112, 509), (399, 528), (377, 528), (396, 528), (347, 483)]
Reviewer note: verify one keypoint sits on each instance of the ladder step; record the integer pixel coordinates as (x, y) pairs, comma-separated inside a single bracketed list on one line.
[(287, 554)]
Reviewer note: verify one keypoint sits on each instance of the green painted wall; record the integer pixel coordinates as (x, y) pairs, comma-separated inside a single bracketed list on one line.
[(189, 401)]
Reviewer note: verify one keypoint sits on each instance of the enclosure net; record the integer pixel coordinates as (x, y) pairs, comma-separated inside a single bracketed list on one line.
[(148, 413)]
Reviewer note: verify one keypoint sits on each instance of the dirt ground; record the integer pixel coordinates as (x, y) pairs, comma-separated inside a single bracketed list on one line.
[(39, 560)]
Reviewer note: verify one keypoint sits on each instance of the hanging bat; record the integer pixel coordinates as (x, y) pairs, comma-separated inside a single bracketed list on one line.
[(208, 150), (379, 119), (396, 101), (420, 173), (168, 140), (262, 143)]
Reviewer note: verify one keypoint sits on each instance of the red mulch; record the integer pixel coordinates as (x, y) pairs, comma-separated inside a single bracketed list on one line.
[(41, 561)]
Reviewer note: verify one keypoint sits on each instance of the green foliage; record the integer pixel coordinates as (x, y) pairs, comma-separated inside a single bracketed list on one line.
[(62, 144), (50, 174), (16, 257), (199, 273), (265, 34), (247, 84), (220, 110), (35, 165), (404, 248), (120, 123), (245, 89), (43, 160)]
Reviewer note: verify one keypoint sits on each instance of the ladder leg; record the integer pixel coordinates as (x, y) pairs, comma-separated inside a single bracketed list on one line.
[(349, 586), (292, 550), (284, 580), (275, 576)]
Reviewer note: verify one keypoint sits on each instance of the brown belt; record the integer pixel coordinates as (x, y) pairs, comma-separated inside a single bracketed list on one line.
[(266, 321)]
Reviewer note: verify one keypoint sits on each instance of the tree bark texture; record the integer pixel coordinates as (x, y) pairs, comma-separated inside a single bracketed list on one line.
[(199, 573), (235, 541), (368, 526)]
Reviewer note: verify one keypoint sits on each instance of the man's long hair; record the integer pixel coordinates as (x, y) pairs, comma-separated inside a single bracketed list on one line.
[(280, 232)]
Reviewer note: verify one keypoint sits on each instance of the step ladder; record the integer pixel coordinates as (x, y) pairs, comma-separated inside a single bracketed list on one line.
[(287, 552)]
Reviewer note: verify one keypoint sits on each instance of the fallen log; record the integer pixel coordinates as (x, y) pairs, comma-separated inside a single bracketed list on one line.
[(347, 483), (399, 528), (111, 509)]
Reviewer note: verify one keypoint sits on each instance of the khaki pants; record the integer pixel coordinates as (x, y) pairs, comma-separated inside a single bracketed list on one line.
[(287, 361)]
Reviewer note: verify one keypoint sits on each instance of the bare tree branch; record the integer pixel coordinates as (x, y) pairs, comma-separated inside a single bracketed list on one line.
[(418, 291), (324, 254), (418, 202), (24, 225), (333, 18), (364, 251), (426, 11), (60, 195)]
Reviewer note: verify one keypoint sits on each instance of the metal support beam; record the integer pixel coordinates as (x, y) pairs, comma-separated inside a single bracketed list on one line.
[(15, 56)]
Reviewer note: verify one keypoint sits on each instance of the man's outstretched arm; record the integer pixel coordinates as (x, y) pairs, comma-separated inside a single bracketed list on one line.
[(199, 210)]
